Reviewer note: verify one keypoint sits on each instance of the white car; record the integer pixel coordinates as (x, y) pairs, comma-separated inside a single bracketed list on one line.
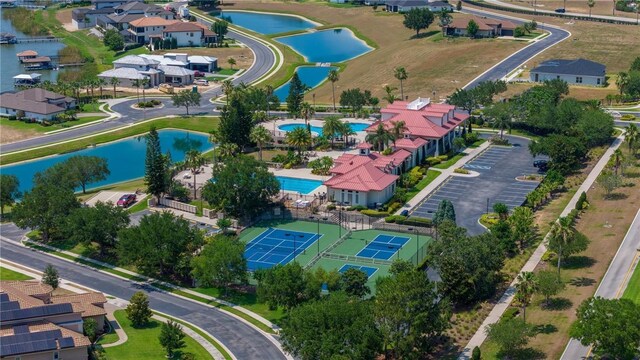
[(202, 82)]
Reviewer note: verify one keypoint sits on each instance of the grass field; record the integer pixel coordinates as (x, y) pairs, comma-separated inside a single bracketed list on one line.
[(632, 291), (429, 177), (6, 274), (143, 343), (202, 124), (397, 46)]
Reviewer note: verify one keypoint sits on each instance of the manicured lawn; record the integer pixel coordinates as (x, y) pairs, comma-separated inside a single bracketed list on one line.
[(633, 288), (532, 35), (24, 126), (429, 177), (91, 107), (143, 204), (227, 72), (248, 301), (143, 343), (202, 124), (447, 164), (6, 274)]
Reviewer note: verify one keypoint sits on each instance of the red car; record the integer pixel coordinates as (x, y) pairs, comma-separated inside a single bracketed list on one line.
[(127, 200), (198, 74)]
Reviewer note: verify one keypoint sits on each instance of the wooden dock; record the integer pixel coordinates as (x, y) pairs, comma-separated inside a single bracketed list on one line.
[(37, 39)]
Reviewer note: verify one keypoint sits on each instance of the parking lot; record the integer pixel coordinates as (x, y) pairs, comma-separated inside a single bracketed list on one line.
[(113, 196), (498, 167)]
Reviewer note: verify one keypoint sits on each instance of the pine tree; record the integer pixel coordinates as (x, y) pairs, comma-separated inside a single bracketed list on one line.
[(155, 165), (296, 95), (171, 337), (138, 311), (50, 277)]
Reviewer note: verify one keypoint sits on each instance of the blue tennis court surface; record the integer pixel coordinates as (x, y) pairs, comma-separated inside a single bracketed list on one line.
[(276, 246), (383, 247), (368, 270)]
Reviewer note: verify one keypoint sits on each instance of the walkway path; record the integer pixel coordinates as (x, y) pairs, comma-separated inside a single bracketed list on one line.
[(506, 299), (615, 280), (122, 335)]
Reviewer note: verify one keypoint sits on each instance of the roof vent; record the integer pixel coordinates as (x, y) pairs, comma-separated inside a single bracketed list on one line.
[(418, 104)]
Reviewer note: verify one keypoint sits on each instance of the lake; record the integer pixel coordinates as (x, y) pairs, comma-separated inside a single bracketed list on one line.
[(125, 158), (10, 64), (268, 23), (311, 76), (330, 46)]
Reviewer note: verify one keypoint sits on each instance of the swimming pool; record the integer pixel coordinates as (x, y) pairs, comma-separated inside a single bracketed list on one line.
[(303, 186), (125, 158), (332, 45), (311, 76), (357, 127), (268, 23)]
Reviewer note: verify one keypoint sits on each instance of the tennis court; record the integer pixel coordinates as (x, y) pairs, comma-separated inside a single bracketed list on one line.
[(383, 247), (366, 269), (277, 246)]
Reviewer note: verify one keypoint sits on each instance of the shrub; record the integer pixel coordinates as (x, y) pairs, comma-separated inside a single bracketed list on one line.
[(156, 102), (331, 207), (582, 202), (495, 140), (476, 354), (433, 161), (356, 208), (519, 31), (394, 207), (627, 117), (395, 219), (288, 166), (470, 138), (13, 117), (443, 157), (374, 213), (416, 221), (461, 171)]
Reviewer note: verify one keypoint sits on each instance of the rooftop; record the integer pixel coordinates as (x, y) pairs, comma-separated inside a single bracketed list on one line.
[(135, 60), (152, 21), (34, 100), (123, 73), (571, 67)]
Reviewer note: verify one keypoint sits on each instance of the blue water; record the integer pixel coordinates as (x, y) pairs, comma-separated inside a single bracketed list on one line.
[(318, 130), (125, 158), (333, 45), (303, 186), (265, 23), (311, 76)]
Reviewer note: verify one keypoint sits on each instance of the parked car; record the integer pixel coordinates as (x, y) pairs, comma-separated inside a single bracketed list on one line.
[(560, 10), (542, 165), (404, 213), (202, 82), (127, 200), (198, 74)]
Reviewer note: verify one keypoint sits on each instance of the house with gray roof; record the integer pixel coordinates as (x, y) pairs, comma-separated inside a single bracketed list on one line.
[(401, 6), (37, 104), (574, 72), (157, 69)]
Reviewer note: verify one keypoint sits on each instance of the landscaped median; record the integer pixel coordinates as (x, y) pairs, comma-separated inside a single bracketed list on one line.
[(201, 124)]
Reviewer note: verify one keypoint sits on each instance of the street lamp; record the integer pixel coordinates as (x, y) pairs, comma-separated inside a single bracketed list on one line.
[(417, 243), (318, 232)]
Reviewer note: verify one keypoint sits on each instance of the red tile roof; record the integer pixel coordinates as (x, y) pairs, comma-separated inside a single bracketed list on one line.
[(366, 177), (407, 143), (152, 21)]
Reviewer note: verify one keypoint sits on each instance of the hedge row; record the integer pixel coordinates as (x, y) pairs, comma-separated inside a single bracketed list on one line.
[(413, 220)]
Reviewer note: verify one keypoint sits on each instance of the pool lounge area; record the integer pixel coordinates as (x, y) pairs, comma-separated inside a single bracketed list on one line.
[(355, 126), (298, 185)]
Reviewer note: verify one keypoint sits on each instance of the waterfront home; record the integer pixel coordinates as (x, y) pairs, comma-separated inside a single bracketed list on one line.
[(574, 72), (117, 17), (36, 103), (139, 67), (487, 27), (27, 54), (191, 62), (27, 79), (188, 34), (406, 5), (32, 316), (99, 4), (144, 29)]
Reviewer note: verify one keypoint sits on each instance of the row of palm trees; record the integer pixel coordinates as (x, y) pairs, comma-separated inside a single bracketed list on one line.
[(74, 88), (399, 73)]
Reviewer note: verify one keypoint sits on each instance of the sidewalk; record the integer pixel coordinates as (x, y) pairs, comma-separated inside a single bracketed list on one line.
[(122, 336), (445, 173), (505, 301)]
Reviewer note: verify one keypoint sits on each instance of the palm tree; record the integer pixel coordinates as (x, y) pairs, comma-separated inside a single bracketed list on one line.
[(194, 160), (214, 138), (144, 84), (379, 138), (500, 115), (345, 131), (268, 90), (231, 62), (331, 127), (333, 77), (136, 84), (115, 82), (632, 137), (101, 82), (526, 287), (390, 97), (398, 130), (299, 138), (227, 150), (261, 136), (401, 74), (622, 81), (562, 232), (227, 89), (591, 4), (307, 112), (617, 157)]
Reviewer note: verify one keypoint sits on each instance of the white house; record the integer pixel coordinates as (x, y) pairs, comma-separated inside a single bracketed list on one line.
[(36, 103), (143, 29), (154, 68), (189, 34), (99, 4), (575, 72)]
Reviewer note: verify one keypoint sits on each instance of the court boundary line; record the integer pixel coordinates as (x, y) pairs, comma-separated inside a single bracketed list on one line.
[(360, 268)]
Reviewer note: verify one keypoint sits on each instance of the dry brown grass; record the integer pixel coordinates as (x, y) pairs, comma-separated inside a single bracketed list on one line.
[(242, 55), (578, 92), (601, 7), (9, 134), (64, 16), (432, 65)]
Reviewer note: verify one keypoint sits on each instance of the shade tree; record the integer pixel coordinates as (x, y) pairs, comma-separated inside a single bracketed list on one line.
[(221, 262), (9, 191)]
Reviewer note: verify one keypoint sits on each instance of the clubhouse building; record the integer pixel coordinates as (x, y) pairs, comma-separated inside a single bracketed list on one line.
[(369, 178)]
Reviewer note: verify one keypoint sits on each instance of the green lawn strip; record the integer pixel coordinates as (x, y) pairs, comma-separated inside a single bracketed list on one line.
[(143, 343), (142, 205), (201, 124), (246, 300), (429, 177), (108, 338), (91, 107), (477, 143), (632, 291), (6, 274), (447, 164), (226, 72), (36, 126), (204, 335)]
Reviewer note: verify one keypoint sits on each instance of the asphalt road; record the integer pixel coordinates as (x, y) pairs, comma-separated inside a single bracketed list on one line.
[(244, 341), (264, 60), (520, 57), (613, 283)]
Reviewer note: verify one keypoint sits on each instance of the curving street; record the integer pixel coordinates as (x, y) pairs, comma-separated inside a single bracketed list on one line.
[(244, 341)]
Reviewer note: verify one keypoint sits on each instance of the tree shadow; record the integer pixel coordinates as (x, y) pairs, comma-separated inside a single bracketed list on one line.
[(581, 281), (557, 304), (425, 34), (578, 262), (521, 354), (616, 196), (545, 329)]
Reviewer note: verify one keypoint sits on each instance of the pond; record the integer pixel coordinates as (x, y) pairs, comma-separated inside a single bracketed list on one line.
[(332, 45), (125, 158), (311, 76), (268, 23)]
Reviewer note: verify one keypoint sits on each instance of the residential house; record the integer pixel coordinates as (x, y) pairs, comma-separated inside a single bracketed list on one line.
[(191, 62), (100, 4), (189, 34), (146, 28), (38, 325), (36, 103), (406, 5), (486, 27), (575, 72), (155, 68)]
